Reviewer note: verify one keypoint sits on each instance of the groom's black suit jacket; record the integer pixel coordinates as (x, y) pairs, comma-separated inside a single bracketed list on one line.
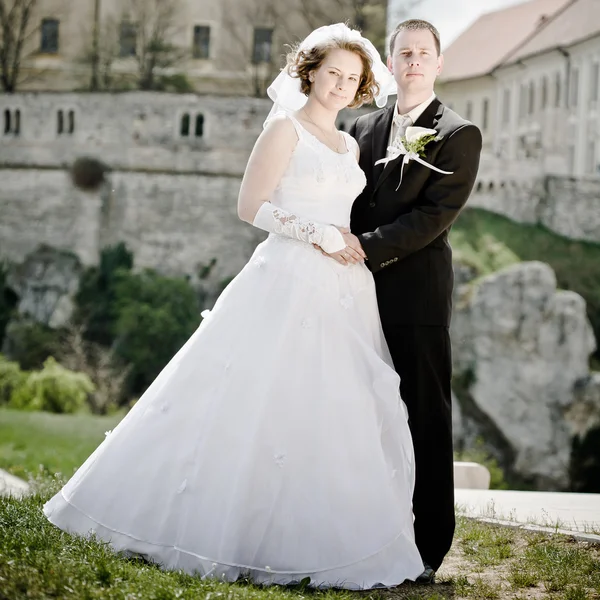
[(404, 233)]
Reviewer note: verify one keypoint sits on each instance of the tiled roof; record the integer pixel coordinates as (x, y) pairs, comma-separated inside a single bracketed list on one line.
[(579, 21), (496, 35)]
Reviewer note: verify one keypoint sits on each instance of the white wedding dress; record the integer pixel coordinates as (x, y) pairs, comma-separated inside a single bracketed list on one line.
[(274, 445)]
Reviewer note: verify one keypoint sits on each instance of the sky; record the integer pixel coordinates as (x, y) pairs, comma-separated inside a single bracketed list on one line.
[(452, 17)]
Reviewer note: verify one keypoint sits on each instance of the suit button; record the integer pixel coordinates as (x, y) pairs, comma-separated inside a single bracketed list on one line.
[(382, 265), (395, 259), (372, 204)]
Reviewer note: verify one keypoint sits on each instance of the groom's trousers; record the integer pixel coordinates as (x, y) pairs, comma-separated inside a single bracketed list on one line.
[(422, 358)]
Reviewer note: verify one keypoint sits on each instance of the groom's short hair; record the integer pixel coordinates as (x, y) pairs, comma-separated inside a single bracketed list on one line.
[(414, 25)]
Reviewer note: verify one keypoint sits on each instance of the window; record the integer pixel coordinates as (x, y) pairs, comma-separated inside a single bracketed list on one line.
[(49, 41), (591, 157), (557, 91), (531, 98), (485, 114), (199, 129), (522, 101), (469, 111), (595, 82), (12, 122), (7, 122), (184, 129), (574, 87), (544, 95), (571, 158), (201, 48), (127, 39), (263, 45), (506, 107), (65, 122)]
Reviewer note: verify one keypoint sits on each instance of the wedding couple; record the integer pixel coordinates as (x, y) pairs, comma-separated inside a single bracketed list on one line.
[(305, 421)]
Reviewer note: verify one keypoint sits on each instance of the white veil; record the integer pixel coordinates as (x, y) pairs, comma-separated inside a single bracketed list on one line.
[(285, 90)]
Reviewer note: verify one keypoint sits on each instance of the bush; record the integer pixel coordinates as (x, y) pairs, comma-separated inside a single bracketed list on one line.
[(156, 315), (177, 83), (100, 364), (53, 389), (8, 301), (97, 296), (88, 174), (11, 378), (30, 343), (144, 318)]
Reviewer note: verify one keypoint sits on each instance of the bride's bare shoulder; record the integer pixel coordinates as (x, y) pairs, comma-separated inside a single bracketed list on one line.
[(281, 128)]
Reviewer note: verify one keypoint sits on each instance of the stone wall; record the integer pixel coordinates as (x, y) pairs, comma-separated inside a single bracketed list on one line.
[(170, 197), (566, 205), (134, 130), (172, 222)]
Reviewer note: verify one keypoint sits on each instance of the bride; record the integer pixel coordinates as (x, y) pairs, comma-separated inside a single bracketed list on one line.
[(274, 445)]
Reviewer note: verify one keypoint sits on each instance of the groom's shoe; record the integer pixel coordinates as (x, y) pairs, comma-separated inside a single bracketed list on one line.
[(427, 576)]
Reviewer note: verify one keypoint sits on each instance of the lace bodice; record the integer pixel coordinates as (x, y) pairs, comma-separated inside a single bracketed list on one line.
[(319, 183)]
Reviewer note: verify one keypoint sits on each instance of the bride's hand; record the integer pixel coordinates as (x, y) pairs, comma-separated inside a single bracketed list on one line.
[(351, 254)]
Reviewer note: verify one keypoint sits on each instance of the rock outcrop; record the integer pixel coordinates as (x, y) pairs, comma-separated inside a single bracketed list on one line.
[(520, 347)]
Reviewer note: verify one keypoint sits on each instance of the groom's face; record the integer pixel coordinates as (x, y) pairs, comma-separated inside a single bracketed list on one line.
[(415, 62)]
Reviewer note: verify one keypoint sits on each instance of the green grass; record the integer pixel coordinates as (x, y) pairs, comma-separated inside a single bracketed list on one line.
[(489, 242), (34, 442), (39, 561)]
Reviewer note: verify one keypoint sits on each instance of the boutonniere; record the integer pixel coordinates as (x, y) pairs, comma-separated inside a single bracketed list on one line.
[(412, 146)]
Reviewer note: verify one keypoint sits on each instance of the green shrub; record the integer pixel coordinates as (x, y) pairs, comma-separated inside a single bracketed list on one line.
[(156, 315), (8, 301), (96, 297), (144, 317), (11, 378), (53, 389), (30, 343)]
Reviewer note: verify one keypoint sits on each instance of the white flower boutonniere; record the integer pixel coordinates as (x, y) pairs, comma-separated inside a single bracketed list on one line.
[(412, 146)]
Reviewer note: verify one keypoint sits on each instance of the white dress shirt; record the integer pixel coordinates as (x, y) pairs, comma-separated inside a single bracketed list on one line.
[(410, 118)]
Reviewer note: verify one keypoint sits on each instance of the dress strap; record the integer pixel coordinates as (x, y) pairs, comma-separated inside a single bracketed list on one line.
[(351, 143), (299, 129)]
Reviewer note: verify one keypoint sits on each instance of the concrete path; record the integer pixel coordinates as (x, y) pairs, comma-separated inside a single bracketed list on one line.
[(569, 513), (12, 486)]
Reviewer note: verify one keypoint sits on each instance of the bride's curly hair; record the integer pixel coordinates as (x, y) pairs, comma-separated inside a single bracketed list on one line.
[(300, 63)]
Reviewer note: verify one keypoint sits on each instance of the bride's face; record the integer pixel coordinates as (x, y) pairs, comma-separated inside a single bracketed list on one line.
[(336, 81)]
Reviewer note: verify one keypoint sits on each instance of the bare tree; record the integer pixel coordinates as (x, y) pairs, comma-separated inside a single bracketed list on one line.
[(261, 58), (98, 363), (15, 30), (369, 16), (101, 52), (156, 23)]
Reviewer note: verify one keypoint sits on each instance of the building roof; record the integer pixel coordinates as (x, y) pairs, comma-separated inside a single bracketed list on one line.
[(578, 21), (496, 35)]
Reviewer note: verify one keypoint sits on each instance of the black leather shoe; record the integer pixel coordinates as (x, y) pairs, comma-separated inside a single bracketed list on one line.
[(427, 576)]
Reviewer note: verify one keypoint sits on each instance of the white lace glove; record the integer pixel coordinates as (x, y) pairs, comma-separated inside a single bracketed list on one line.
[(276, 220)]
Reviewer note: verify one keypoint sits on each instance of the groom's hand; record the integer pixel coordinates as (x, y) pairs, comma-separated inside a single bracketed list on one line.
[(351, 254), (353, 242)]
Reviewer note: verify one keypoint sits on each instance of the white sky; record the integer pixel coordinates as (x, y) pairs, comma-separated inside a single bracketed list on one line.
[(452, 17)]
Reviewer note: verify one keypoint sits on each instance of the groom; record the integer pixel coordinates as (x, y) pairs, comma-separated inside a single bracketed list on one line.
[(403, 229)]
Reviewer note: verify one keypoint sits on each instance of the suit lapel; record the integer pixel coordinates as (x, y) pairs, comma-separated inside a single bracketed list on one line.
[(429, 119), (380, 139)]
